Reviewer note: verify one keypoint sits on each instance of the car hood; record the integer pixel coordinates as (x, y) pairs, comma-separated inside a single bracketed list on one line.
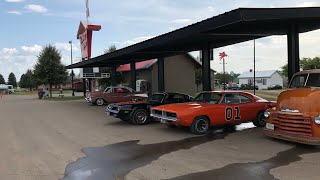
[(133, 103), (191, 106), (304, 100)]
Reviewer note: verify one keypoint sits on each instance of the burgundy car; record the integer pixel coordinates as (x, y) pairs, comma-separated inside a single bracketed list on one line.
[(113, 95)]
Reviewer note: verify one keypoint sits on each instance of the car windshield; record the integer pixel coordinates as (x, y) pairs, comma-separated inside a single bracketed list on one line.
[(156, 98), (313, 80), (211, 98)]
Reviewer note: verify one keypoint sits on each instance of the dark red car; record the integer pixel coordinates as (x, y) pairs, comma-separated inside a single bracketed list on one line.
[(113, 95)]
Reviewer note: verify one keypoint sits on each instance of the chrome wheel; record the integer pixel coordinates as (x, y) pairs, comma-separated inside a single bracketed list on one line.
[(141, 117), (202, 125), (99, 102)]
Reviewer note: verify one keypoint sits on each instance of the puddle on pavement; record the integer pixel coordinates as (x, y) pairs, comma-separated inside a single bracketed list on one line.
[(253, 171), (115, 161)]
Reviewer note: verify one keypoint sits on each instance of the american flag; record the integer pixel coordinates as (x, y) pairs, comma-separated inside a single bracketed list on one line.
[(87, 11)]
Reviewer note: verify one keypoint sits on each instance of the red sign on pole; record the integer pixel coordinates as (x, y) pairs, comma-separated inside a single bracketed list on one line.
[(85, 36)]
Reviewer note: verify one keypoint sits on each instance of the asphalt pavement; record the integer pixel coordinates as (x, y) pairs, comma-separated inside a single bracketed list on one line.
[(72, 140)]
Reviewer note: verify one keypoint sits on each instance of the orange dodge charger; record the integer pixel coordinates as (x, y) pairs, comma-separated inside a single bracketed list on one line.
[(214, 109)]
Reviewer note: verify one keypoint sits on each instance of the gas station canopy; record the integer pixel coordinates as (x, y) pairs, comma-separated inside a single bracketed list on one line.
[(232, 27)]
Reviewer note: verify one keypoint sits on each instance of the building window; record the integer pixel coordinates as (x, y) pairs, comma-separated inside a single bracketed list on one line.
[(264, 81)]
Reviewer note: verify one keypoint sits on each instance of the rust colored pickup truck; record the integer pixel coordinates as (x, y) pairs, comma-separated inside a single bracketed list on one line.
[(297, 115), (113, 95)]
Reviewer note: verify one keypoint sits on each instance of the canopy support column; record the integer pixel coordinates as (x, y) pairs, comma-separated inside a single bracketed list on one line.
[(206, 74), (161, 83), (293, 51), (133, 75), (113, 75)]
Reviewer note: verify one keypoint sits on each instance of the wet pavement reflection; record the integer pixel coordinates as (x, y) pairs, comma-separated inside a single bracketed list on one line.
[(117, 160), (253, 171)]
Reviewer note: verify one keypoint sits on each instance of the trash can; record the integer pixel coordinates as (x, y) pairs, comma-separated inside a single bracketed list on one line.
[(40, 94)]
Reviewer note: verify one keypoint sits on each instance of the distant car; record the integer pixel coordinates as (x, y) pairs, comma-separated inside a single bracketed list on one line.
[(113, 95), (274, 87), (248, 87), (233, 87), (217, 108), (139, 112)]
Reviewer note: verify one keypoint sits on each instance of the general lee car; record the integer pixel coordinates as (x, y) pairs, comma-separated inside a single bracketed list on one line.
[(139, 112), (214, 109), (114, 94)]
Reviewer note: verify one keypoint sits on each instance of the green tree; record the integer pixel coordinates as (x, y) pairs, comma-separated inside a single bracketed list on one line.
[(2, 81), (22, 82), (12, 80), (105, 82), (27, 80), (227, 79), (308, 63), (305, 64), (284, 70), (110, 49), (49, 69)]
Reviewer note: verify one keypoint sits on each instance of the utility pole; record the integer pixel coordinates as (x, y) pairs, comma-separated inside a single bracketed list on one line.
[(72, 74)]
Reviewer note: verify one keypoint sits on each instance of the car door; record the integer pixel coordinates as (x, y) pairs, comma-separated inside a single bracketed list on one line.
[(235, 110)]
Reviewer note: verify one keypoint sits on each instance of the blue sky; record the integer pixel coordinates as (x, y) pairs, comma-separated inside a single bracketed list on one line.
[(27, 25)]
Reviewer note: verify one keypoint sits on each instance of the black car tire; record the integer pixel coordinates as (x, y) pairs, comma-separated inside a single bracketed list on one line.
[(140, 117), (200, 125), (260, 120), (99, 102)]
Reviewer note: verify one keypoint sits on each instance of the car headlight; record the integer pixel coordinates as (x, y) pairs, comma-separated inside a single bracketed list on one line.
[(266, 114), (124, 107), (317, 120)]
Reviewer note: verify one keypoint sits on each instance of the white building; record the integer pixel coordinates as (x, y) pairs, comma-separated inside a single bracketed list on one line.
[(263, 78)]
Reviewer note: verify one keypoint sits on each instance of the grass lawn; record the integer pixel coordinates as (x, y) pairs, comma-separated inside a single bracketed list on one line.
[(66, 98)]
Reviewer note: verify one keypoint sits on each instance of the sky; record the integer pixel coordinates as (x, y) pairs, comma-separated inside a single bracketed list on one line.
[(28, 25)]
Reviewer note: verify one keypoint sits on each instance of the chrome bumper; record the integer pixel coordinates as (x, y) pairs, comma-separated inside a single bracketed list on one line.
[(88, 100), (294, 138), (166, 118)]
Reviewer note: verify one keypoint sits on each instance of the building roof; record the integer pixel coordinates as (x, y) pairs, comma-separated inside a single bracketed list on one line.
[(232, 27), (147, 64), (139, 65), (259, 74)]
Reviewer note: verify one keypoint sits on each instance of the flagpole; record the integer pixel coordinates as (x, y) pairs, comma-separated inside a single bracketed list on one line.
[(224, 74), (254, 67)]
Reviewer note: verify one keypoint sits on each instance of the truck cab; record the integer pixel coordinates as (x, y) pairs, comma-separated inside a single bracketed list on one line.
[(297, 114)]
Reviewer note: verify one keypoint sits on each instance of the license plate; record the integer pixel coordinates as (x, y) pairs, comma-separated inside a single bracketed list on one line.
[(108, 113), (163, 121), (270, 126)]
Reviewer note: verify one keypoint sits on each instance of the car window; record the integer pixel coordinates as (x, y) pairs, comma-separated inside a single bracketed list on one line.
[(298, 81), (156, 98), (314, 80), (176, 98), (211, 98), (243, 99), (121, 90), (108, 90), (230, 99)]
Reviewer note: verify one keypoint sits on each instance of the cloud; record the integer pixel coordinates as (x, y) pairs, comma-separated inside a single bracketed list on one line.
[(308, 4), (9, 51), (66, 46), (35, 49), (14, 1), (15, 12), (183, 21), (36, 8), (137, 40)]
